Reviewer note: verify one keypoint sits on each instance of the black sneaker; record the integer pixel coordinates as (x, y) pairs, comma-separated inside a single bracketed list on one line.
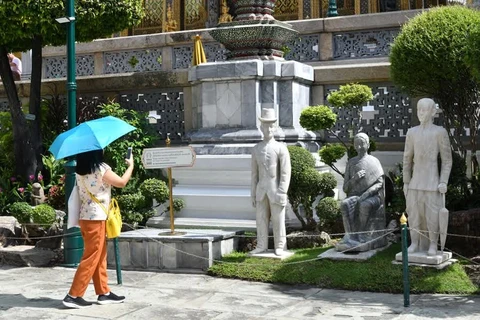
[(109, 299), (75, 303)]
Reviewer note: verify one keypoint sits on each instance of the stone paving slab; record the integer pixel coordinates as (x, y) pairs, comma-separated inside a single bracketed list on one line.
[(36, 293)]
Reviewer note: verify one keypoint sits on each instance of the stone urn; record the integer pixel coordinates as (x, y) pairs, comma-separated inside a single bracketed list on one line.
[(254, 33)]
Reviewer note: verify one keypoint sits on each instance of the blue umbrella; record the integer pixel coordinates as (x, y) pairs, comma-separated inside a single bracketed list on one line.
[(90, 135)]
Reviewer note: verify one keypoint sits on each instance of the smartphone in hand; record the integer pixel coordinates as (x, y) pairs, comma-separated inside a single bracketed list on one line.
[(129, 153)]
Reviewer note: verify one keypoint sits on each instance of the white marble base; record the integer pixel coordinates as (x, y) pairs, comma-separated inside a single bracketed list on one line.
[(271, 255), (354, 256), (423, 258), (440, 266)]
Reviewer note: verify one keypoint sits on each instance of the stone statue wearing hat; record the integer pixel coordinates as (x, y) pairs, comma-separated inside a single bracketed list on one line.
[(271, 171), (424, 184)]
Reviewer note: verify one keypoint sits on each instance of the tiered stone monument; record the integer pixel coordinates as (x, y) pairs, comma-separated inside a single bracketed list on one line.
[(227, 99)]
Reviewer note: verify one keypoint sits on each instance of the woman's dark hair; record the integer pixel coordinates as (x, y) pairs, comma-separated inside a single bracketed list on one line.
[(89, 162)]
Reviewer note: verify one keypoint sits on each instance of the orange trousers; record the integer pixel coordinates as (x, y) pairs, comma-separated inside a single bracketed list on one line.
[(94, 260)]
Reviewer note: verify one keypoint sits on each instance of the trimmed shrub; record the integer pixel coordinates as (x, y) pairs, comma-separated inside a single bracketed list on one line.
[(428, 58), (350, 95), (328, 211), (155, 189), (44, 214), (22, 211), (318, 118)]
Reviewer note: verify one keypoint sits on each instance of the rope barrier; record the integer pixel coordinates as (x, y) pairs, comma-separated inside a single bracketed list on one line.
[(449, 234), (258, 264)]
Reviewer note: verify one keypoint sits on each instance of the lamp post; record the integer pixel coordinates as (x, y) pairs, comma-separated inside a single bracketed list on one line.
[(332, 8), (72, 241)]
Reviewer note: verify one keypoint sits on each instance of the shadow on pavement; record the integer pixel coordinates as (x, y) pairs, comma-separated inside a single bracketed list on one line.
[(8, 301)]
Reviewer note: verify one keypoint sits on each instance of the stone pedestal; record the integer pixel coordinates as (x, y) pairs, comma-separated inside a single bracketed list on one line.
[(227, 98), (421, 258), (269, 254), (333, 254), (155, 249)]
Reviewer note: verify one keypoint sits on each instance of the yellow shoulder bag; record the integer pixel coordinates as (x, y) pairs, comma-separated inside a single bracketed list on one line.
[(114, 218)]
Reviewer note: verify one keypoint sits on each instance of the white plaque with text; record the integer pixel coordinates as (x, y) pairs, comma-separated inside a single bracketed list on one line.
[(158, 158)]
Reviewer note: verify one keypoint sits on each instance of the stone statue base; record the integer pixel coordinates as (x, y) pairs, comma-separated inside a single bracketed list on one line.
[(350, 245), (333, 254), (421, 258), (271, 255)]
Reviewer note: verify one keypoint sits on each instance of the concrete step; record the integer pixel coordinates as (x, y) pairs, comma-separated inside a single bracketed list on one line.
[(203, 223), (212, 178), (226, 202), (216, 170)]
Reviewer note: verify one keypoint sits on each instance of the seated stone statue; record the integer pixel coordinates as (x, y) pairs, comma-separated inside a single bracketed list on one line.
[(38, 195), (363, 210)]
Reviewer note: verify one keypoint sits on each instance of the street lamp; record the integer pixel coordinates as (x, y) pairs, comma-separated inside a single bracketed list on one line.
[(72, 240), (332, 8)]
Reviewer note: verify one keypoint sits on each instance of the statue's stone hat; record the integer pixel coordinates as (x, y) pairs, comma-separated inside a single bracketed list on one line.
[(268, 115)]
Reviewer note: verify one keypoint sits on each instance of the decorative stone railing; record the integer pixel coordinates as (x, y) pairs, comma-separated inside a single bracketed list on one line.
[(348, 37)]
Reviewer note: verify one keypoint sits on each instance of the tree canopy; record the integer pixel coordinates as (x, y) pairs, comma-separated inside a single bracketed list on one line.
[(20, 20), (428, 58), (30, 24)]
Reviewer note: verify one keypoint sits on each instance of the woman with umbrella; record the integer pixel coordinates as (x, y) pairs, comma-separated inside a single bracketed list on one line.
[(94, 180), (94, 177)]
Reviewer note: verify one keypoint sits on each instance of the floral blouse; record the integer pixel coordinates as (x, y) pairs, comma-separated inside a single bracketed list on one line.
[(89, 209)]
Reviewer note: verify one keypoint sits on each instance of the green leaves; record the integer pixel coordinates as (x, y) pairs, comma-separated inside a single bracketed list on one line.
[(331, 153), (317, 118), (350, 95), (427, 57), (20, 20)]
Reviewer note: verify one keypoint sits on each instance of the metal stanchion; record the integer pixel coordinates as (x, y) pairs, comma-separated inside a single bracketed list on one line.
[(406, 280), (118, 266)]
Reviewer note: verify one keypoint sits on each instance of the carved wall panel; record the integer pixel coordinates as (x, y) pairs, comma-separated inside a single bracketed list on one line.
[(386, 118), (132, 61), (304, 48), (56, 67), (363, 44), (4, 105), (166, 105)]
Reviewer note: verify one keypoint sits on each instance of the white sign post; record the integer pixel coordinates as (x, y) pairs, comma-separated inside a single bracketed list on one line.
[(160, 158)]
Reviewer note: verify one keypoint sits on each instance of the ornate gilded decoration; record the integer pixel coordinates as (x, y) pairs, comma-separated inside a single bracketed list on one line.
[(288, 9), (195, 14), (225, 17), (152, 22), (171, 24)]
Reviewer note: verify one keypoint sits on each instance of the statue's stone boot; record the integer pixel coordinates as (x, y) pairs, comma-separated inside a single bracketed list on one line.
[(432, 250), (278, 252), (257, 250), (413, 248)]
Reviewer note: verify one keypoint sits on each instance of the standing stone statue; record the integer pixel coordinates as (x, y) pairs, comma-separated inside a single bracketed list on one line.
[(271, 171), (424, 184), (364, 208)]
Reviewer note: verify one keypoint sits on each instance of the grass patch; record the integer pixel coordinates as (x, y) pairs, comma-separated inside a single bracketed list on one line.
[(377, 274)]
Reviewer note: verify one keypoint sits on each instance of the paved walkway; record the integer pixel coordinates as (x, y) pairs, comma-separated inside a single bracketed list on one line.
[(36, 293)]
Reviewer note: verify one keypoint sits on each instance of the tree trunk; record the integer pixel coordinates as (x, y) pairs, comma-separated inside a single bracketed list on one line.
[(35, 100), (25, 159)]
